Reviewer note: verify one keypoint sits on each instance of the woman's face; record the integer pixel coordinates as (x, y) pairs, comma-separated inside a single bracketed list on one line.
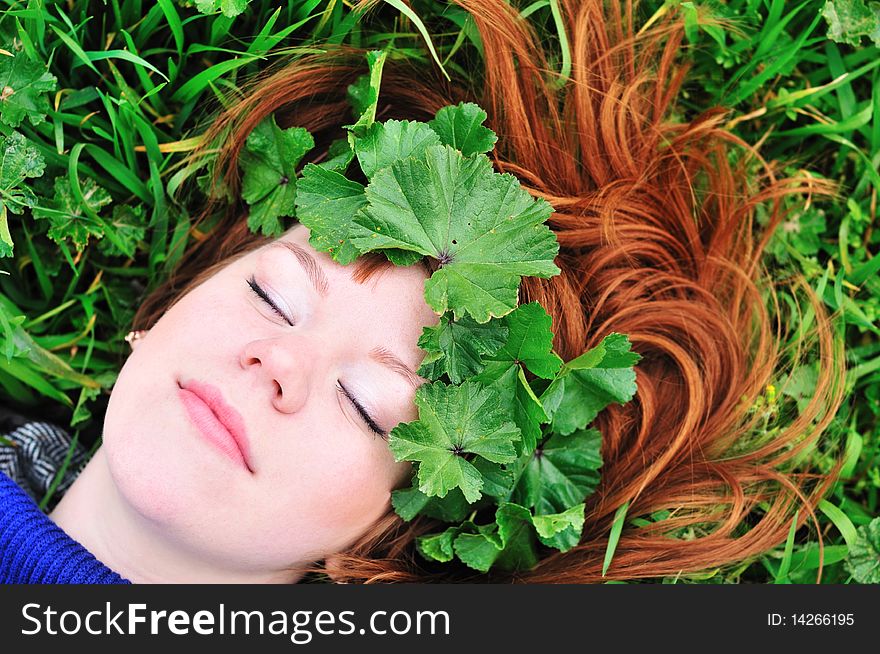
[(317, 475)]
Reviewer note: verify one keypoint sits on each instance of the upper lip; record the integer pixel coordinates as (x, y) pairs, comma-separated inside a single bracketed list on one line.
[(226, 414)]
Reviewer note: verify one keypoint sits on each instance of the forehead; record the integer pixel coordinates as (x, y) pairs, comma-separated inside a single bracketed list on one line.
[(367, 268), (395, 286)]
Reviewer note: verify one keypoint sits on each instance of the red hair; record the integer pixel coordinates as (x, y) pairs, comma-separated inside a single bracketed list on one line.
[(658, 240)]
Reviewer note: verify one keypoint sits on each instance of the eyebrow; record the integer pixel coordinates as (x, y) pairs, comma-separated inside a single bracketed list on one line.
[(307, 261), (319, 280), (392, 361)]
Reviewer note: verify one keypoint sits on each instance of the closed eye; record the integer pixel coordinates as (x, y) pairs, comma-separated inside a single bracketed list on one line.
[(260, 293), (368, 420), (363, 413)]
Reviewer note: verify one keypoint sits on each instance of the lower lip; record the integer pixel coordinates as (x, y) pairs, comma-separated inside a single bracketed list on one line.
[(210, 427)]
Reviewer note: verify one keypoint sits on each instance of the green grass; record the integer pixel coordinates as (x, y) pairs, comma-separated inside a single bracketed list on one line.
[(131, 79)]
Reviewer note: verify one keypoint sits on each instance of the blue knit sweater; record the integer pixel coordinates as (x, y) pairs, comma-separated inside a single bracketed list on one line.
[(34, 550)]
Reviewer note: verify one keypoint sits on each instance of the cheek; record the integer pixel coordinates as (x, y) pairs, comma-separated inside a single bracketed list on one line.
[(154, 455), (345, 488)]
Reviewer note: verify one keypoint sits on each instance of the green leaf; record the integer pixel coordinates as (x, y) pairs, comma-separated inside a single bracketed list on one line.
[(480, 550), (361, 96), (509, 542), (461, 127), (326, 203), (529, 412), (408, 502), (516, 398), (850, 20), (269, 161), (452, 508), (801, 385), (561, 530), (364, 95), (19, 160), (802, 231), (71, 219), (402, 257), (81, 412), (23, 88), (438, 547), (124, 230), (230, 8), (214, 189), (589, 383), (497, 480), (456, 347), (530, 341), (39, 360), (529, 344), (7, 245), (484, 229), (454, 421), (518, 535), (384, 143), (863, 560), (339, 156), (561, 473)]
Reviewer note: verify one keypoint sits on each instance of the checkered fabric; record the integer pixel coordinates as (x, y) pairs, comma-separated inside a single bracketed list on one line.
[(36, 455)]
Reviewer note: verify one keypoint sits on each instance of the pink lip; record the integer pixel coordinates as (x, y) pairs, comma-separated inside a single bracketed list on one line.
[(218, 422)]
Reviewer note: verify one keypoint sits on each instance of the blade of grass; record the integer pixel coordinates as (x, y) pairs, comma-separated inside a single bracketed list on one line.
[(853, 451), (59, 474), (814, 93), (532, 8), (785, 564), (870, 168), (614, 536), (841, 521), (118, 171), (745, 90), (75, 187), (195, 86), (862, 272), (465, 22), (19, 393), (266, 41), (27, 43), (855, 121), (125, 55), (846, 98), (174, 24), (808, 558), (809, 314), (565, 70), (39, 267), (220, 28), (409, 13), (75, 49), (26, 374)]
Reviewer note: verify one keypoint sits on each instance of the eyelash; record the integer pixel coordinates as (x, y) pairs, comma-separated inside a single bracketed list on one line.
[(260, 293), (363, 412)]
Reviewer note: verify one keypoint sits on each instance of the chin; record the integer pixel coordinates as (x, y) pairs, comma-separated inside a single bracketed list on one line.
[(148, 474)]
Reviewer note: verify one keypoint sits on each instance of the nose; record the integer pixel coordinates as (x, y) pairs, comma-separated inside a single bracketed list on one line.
[(282, 367)]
